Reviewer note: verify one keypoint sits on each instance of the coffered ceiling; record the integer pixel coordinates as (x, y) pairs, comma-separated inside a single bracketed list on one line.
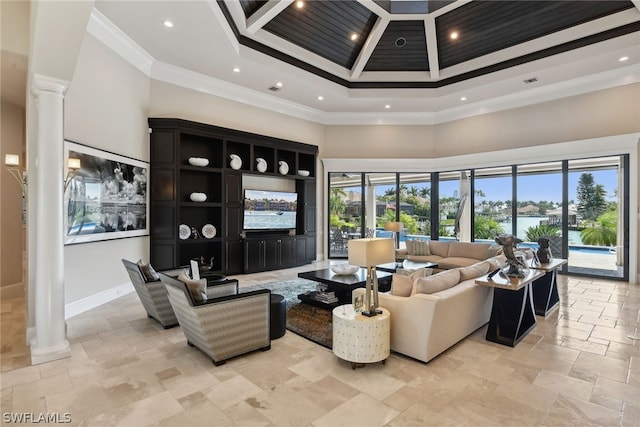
[(383, 61)]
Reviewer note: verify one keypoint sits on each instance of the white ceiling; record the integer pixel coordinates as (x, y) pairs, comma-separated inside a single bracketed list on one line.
[(202, 42), (200, 52)]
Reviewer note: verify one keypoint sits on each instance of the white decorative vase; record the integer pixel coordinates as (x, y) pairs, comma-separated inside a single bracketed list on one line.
[(284, 167), (261, 165), (198, 161), (198, 197), (236, 162)]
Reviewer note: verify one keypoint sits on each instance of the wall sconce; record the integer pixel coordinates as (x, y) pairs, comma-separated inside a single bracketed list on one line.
[(368, 253), (73, 165), (12, 162)]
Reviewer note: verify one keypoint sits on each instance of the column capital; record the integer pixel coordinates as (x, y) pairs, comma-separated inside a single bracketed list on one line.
[(40, 83)]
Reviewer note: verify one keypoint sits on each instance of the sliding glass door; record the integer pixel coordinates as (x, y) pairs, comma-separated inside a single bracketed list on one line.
[(597, 194), (581, 205)]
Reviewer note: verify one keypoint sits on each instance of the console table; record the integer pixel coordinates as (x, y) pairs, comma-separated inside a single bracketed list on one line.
[(360, 339), (545, 289), (512, 315)]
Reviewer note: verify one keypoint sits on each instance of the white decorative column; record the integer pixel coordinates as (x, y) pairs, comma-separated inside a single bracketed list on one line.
[(50, 342)]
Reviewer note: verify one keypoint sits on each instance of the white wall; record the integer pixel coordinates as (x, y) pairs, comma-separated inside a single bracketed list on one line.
[(106, 107), (11, 228)]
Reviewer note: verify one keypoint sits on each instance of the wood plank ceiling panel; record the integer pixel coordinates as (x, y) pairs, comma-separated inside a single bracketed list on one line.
[(487, 27), (251, 6), (324, 28), (402, 47)]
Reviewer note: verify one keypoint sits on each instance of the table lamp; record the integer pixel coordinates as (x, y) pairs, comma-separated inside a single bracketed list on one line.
[(368, 253), (396, 228)]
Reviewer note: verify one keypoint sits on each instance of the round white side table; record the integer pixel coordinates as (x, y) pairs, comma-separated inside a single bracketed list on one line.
[(361, 339)]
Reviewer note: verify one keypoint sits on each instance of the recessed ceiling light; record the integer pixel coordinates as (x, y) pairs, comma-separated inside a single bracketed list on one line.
[(464, 98), (354, 37), (387, 106), (624, 58), (299, 4), (168, 24), (453, 35), (320, 98), (279, 84), (236, 70)]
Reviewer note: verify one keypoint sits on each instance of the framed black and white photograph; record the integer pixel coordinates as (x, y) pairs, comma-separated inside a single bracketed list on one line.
[(106, 198)]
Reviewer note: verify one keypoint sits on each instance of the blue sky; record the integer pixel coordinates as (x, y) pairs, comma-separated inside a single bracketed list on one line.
[(536, 188)]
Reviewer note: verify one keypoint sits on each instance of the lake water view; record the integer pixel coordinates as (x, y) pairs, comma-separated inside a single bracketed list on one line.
[(524, 222)]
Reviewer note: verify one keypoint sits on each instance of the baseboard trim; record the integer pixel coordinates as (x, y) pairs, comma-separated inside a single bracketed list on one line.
[(93, 301)]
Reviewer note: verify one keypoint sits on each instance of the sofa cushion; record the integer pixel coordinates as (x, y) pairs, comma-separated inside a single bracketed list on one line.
[(418, 247), (437, 282), (468, 250), (401, 285), (197, 288), (415, 274), (149, 274), (439, 248), (455, 262), (473, 271)]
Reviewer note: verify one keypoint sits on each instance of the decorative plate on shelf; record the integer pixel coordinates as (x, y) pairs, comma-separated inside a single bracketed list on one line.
[(209, 231), (184, 231)]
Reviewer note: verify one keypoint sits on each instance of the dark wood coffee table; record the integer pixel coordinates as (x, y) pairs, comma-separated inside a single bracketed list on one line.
[(341, 285)]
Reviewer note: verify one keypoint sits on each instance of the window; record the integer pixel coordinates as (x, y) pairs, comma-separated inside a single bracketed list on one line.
[(492, 194)]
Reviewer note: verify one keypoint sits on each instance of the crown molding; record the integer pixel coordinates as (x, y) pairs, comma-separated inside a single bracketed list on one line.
[(105, 31)]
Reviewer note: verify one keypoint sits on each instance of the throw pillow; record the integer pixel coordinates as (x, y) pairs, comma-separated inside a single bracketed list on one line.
[(473, 271), (421, 247), (149, 274), (197, 288), (415, 274), (438, 282), (409, 244), (401, 285)]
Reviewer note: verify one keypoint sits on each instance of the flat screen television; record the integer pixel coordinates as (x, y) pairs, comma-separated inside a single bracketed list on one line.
[(269, 210)]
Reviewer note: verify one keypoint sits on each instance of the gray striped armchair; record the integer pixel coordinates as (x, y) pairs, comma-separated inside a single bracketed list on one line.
[(153, 296), (224, 326)]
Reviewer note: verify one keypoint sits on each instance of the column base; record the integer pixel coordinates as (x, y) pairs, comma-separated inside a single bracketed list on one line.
[(49, 354)]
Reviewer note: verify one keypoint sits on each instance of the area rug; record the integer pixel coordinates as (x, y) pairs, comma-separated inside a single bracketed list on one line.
[(312, 323)]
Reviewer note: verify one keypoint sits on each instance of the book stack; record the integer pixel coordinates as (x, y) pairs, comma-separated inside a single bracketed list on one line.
[(327, 297)]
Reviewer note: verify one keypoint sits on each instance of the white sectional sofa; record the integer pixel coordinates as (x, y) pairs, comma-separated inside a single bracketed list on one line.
[(424, 325), (447, 254)]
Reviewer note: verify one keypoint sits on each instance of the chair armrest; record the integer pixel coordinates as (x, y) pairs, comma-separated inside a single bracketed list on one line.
[(227, 298)]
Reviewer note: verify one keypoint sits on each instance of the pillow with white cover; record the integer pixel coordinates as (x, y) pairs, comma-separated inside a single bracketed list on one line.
[(473, 271), (401, 285), (438, 282), (197, 288), (148, 272), (418, 247), (402, 281)]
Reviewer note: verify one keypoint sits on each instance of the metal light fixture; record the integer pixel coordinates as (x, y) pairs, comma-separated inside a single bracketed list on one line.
[(368, 253), (73, 165), (12, 163)]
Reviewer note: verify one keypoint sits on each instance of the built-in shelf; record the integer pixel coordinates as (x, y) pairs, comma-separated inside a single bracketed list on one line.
[(173, 179)]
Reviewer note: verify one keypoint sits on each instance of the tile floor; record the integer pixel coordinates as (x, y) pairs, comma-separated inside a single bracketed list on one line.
[(578, 367)]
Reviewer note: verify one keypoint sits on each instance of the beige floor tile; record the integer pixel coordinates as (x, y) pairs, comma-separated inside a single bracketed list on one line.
[(362, 410), (569, 411), (230, 392), (125, 369), (617, 390), (569, 386), (140, 413)]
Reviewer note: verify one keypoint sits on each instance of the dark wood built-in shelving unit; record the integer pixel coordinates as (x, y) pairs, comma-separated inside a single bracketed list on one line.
[(173, 179)]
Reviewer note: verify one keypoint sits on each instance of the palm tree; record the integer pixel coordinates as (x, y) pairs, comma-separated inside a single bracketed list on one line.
[(543, 230), (603, 231)]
